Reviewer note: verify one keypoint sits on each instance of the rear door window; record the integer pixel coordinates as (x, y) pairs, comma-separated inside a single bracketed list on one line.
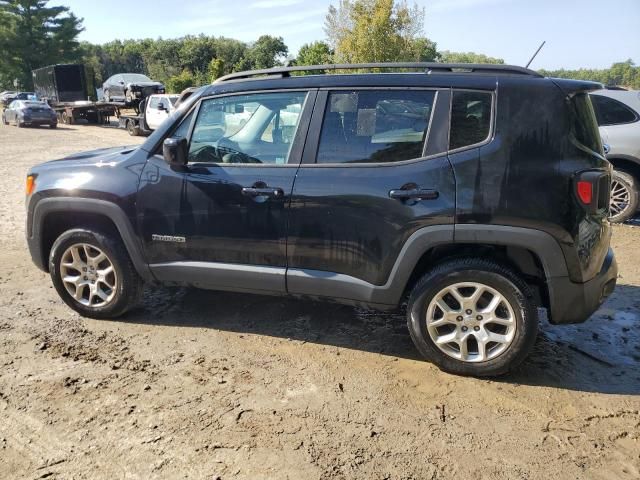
[(612, 112), (470, 118), (374, 126)]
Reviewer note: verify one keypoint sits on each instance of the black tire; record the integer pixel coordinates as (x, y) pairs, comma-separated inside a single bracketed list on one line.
[(487, 273), (132, 128), (53, 125), (624, 196), (128, 287)]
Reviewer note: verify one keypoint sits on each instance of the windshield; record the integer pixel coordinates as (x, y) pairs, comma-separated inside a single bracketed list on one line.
[(135, 77)]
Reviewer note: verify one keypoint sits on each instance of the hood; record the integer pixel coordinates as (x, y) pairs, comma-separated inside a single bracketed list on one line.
[(102, 156)]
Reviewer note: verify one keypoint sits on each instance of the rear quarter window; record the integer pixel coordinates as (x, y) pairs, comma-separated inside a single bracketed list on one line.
[(612, 112)]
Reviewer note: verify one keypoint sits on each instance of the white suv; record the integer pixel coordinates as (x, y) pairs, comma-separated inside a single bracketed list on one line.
[(618, 114)]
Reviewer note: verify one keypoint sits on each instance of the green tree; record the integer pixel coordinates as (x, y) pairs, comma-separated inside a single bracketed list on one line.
[(624, 74), (266, 52), (361, 31), (178, 83), (315, 53), (34, 35), (216, 69), (446, 56)]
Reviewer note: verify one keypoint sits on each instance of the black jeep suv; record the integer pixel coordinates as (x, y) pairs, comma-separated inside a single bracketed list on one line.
[(477, 193)]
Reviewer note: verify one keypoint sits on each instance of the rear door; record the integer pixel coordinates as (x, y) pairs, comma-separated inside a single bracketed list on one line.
[(375, 170)]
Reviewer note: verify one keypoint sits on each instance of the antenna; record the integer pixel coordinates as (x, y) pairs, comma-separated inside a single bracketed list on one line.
[(534, 55)]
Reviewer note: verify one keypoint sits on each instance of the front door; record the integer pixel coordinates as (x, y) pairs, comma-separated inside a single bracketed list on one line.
[(374, 173), (220, 222)]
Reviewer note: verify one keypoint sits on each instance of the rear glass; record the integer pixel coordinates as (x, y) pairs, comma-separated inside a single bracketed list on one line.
[(585, 127), (611, 112)]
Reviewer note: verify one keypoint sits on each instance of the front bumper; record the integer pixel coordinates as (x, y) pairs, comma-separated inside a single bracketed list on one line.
[(575, 302)]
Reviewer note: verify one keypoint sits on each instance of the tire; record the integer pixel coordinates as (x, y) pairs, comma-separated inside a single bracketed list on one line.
[(624, 196), (132, 128), (514, 319), (53, 125), (122, 287)]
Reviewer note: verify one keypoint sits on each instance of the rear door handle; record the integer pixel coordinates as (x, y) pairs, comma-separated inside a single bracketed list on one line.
[(414, 193), (270, 192)]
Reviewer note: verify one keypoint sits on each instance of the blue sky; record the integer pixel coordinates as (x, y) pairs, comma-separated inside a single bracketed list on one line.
[(579, 33)]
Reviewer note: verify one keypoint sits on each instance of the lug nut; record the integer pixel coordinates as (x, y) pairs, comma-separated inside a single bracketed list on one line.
[(459, 318), (476, 328), (464, 329), (479, 317), (469, 312)]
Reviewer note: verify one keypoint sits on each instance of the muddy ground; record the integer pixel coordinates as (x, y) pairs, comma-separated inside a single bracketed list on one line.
[(198, 384)]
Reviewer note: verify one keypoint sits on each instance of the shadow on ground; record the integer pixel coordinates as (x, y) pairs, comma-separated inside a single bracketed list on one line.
[(562, 358)]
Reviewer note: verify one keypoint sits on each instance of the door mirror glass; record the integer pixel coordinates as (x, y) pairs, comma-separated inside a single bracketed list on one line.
[(174, 151)]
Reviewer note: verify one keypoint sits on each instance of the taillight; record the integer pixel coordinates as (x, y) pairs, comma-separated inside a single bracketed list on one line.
[(585, 192), (592, 189)]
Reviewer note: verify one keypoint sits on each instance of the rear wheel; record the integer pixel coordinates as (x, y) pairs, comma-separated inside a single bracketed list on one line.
[(472, 317), (624, 196), (93, 274), (53, 125)]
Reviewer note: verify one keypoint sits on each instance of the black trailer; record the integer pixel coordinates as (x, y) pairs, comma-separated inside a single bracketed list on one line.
[(70, 90)]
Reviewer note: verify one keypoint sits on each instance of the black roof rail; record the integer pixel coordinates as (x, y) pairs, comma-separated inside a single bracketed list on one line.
[(428, 67)]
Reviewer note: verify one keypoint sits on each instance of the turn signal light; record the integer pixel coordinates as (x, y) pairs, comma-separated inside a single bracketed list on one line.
[(31, 184), (585, 192)]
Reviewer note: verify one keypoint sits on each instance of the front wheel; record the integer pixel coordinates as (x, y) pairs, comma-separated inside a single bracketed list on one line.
[(132, 128), (472, 317), (623, 202), (93, 274)]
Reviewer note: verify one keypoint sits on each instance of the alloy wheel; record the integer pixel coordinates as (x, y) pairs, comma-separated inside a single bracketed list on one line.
[(88, 275), (620, 198), (471, 322)]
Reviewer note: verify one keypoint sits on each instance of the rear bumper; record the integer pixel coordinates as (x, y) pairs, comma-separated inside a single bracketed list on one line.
[(575, 302)]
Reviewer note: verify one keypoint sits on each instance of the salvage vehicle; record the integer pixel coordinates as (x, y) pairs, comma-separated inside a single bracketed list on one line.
[(153, 111), (438, 189), (130, 87), (70, 90), (618, 116), (26, 113)]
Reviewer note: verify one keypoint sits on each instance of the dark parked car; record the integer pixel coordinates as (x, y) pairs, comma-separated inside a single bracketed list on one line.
[(8, 98), (25, 113), (129, 87), (475, 193)]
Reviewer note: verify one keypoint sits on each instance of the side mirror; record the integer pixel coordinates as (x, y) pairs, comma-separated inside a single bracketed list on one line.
[(606, 148), (175, 151), (161, 107)]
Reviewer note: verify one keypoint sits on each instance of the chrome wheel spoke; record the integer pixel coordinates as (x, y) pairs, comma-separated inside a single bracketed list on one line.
[(79, 271), (480, 330)]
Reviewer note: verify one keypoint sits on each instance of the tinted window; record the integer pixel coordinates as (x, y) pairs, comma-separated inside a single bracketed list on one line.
[(135, 77), (611, 112), (154, 102), (374, 126), (585, 127), (257, 128), (470, 118)]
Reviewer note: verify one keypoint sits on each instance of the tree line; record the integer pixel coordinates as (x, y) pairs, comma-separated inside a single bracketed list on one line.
[(34, 34)]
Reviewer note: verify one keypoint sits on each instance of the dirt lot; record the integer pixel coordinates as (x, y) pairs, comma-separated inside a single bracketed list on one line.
[(198, 384)]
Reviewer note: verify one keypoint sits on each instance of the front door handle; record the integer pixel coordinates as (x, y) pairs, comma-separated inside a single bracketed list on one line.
[(271, 192), (414, 194)]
